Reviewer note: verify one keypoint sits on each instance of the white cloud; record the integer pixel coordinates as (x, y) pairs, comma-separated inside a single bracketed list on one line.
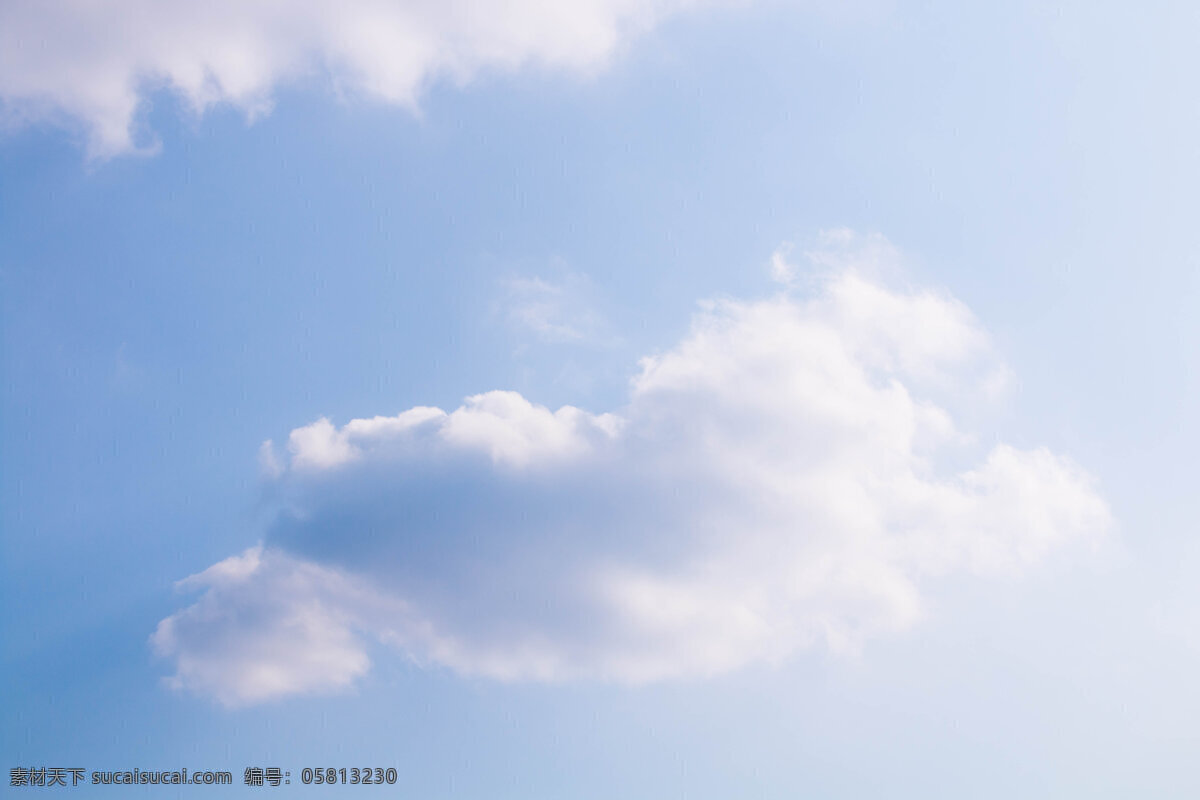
[(514, 431), (777, 480), (321, 445), (95, 62), (268, 626)]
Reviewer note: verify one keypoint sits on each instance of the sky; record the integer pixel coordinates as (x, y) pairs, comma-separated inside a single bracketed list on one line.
[(594, 399)]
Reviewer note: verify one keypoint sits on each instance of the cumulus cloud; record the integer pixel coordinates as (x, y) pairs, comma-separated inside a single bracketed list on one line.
[(95, 62), (268, 626), (779, 479)]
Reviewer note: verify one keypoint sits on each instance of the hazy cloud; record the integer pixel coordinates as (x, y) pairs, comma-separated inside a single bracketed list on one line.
[(556, 311)]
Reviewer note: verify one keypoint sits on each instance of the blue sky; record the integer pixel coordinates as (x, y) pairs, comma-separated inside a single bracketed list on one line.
[(874, 326)]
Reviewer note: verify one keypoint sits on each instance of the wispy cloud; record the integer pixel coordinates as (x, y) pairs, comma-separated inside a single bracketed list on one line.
[(777, 480), (557, 311)]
